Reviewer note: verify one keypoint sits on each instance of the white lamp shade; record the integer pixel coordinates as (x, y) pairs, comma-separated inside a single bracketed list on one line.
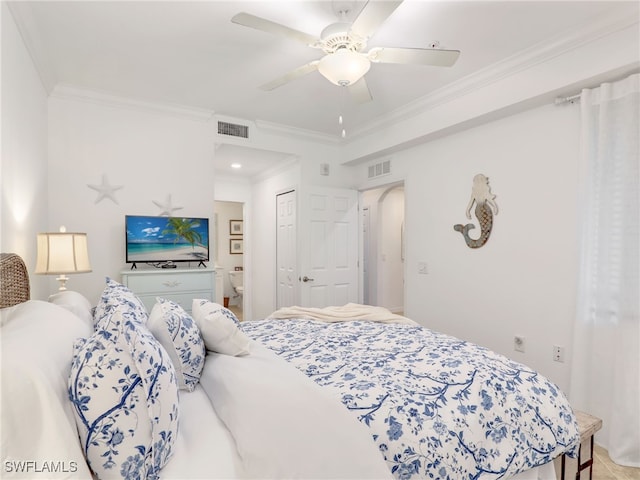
[(344, 67), (62, 252)]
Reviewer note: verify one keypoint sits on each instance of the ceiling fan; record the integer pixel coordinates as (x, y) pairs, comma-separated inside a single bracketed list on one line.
[(345, 62)]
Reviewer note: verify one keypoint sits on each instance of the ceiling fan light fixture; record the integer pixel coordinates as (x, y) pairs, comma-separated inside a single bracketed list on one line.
[(344, 67)]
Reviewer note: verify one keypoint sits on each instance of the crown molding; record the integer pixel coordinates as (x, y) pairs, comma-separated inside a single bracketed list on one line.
[(540, 53), (23, 17), (71, 92), (300, 133), (523, 60)]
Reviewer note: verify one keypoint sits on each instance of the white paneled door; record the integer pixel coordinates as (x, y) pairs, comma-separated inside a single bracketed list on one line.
[(286, 249), (328, 242)]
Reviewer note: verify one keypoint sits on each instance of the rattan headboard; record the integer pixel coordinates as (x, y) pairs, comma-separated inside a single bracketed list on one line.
[(14, 280)]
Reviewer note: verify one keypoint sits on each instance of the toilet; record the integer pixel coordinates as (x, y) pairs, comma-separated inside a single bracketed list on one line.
[(237, 283)]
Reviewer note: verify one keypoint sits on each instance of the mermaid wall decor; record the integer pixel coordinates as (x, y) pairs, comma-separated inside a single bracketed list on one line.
[(486, 208)]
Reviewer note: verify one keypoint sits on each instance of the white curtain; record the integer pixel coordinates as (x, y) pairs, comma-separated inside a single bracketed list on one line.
[(605, 372)]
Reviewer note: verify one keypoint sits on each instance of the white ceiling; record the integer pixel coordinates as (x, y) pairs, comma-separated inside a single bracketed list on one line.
[(188, 53)]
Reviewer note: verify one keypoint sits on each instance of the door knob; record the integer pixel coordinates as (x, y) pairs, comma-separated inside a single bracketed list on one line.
[(307, 279)]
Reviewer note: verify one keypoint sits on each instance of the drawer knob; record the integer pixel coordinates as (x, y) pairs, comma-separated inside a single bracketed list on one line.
[(171, 283)]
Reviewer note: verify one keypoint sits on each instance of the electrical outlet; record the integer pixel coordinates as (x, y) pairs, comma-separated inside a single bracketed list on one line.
[(558, 353), (518, 343)]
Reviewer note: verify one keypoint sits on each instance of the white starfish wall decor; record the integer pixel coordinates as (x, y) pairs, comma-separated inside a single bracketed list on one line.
[(166, 207), (105, 190)]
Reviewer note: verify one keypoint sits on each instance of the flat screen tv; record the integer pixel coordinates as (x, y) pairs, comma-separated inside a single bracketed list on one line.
[(161, 241)]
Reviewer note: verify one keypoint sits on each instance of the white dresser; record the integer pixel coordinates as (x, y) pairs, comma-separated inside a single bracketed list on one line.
[(179, 285)]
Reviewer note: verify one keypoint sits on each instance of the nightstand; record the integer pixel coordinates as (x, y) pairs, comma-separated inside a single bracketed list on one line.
[(588, 425)]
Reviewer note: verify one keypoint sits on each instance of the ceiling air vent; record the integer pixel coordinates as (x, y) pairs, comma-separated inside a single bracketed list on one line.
[(382, 168), (233, 129)]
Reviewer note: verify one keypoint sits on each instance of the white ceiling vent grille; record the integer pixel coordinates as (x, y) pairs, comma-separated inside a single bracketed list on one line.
[(233, 129), (379, 169)]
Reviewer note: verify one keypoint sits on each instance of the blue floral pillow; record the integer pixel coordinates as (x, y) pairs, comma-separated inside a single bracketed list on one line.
[(124, 395), (180, 336), (117, 296)]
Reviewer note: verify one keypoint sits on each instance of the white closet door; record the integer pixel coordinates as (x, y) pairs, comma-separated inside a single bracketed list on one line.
[(328, 247), (286, 249)]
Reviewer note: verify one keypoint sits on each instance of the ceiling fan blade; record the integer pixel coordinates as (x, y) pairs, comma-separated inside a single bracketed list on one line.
[(360, 91), (292, 75), (259, 23), (420, 56), (373, 14)]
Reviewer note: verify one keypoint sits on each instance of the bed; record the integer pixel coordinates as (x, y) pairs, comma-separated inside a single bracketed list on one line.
[(346, 392), (436, 406)]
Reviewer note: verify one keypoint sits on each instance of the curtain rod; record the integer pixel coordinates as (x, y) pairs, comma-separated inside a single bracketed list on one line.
[(571, 99)]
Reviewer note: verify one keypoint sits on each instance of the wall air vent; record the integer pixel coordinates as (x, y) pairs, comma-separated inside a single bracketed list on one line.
[(233, 129), (379, 169)]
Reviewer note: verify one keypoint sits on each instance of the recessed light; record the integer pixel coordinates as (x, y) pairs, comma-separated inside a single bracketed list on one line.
[(236, 165)]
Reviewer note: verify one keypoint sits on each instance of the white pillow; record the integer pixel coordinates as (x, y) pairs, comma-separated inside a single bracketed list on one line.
[(179, 335), (35, 413), (75, 302), (219, 329), (124, 395), (6, 314)]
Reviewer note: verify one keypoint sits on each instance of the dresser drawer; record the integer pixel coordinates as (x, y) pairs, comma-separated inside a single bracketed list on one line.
[(168, 283), (179, 286)]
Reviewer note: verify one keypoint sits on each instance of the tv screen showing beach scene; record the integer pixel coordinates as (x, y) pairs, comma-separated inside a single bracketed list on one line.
[(166, 239)]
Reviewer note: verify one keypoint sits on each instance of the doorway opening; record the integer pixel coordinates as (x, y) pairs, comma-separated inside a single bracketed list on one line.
[(383, 246), (229, 256)]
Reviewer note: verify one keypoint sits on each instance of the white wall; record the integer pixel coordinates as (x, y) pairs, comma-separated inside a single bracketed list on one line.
[(263, 222), (150, 153), (523, 281), (23, 167)]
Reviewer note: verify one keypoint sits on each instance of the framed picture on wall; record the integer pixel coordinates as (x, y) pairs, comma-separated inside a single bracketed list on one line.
[(235, 227), (235, 246)]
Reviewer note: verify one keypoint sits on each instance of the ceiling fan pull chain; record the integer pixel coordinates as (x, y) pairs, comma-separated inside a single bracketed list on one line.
[(343, 103)]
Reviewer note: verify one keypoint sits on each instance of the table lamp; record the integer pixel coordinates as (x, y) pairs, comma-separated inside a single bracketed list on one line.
[(60, 253)]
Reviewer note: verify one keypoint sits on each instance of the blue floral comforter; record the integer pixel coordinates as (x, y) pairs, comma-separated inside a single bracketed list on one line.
[(438, 407)]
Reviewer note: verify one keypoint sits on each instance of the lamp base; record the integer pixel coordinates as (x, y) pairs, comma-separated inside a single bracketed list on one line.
[(63, 282)]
